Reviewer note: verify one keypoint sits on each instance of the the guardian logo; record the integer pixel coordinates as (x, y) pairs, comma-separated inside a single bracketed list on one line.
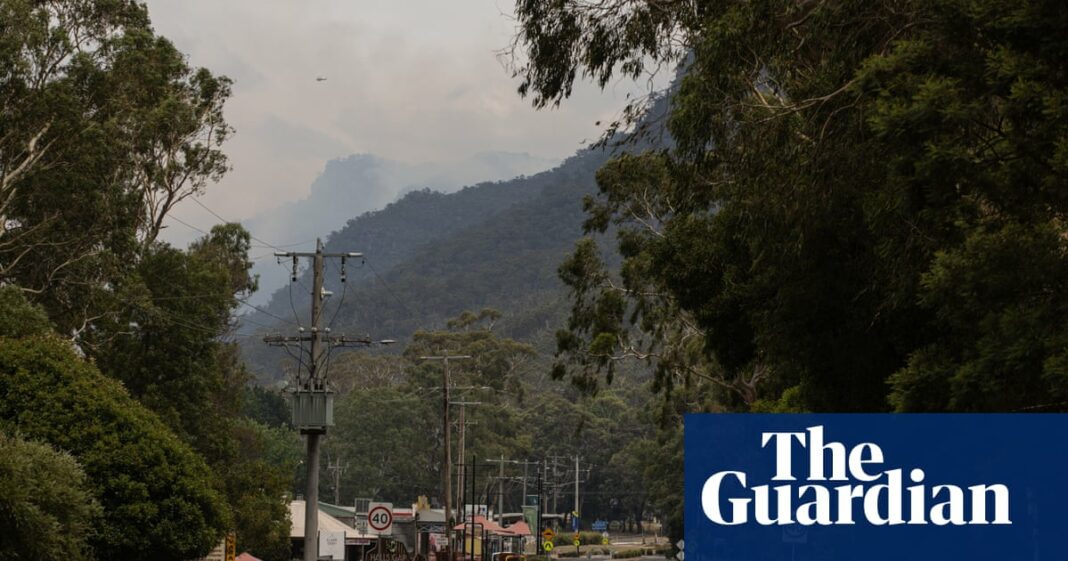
[(843, 486)]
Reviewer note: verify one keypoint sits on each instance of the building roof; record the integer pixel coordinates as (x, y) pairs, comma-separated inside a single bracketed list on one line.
[(327, 523), (246, 556), (430, 515), (337, 511), (490, 527), (520, 529)]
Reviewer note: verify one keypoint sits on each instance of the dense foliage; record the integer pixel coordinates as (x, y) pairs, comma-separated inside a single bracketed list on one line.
[(157, 495), (104, 128), (866, 200), (430, 256), (387, 442), (46, 508), (864, 209)]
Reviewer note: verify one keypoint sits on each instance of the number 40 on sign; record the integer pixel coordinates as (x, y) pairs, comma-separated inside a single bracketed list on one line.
[(380, 519)]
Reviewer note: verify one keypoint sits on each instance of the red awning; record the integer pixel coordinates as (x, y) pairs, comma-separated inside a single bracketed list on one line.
[(491, 527), (520, 529), (246, 556)]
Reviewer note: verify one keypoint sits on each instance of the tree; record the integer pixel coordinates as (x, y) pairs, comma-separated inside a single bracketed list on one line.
[(46, 509), (260, 478), (860, 207), (157, 495), (388, 434), (19, 318), (169, 354), (385, 438), (265, 406), (352, 370), (174, 360), (863, 200), (104, 129)]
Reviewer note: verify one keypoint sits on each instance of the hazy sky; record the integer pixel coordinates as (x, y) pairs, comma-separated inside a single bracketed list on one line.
[(411, 80)]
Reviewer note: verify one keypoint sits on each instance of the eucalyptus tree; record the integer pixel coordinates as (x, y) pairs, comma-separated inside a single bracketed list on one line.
[(863, 208), (104, 128)]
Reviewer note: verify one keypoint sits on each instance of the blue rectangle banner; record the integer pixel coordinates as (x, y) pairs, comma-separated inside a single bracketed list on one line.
[(876, 487)]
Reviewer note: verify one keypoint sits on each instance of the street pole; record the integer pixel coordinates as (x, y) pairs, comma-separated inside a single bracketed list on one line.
[(546, 482), (461, 449), (500, 493), (447, 471), (538, 529), (311, 501), (462, 491), (556, 488), (337, 468), (462, 445), (315, 383), (576, 511), (474, 498)]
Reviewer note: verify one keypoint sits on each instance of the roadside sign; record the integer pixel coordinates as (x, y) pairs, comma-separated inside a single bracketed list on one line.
[(599, 525), (231, 546), (577, 542), (332, 544), (604, 540), (548, 534), (380, 519), (547, 546)]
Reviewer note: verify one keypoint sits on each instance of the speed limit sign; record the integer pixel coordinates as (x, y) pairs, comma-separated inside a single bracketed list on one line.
[(380, 518)]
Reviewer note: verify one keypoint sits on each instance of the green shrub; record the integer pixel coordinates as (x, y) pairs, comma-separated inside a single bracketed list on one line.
[(158, 496), (585, 538), (46, 509), (18, 317), (628, 553)]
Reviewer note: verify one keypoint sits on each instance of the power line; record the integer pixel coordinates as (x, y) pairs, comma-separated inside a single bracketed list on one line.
[(261, 310), (293, 307), (312, 390), (186, 224), (341, 302), (189, 297), (216, 215), (305, 242), (245, 319)]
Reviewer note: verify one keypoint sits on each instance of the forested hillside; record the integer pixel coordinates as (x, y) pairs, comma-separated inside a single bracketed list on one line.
[(472, 272), (359, 183), (431, 256)]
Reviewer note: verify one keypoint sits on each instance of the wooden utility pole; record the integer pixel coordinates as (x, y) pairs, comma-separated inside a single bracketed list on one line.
[(447, 467), (556, 487), (462, 444), (338, 468), (312, 400), (500, 493), (537, 531), (500, 486)]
